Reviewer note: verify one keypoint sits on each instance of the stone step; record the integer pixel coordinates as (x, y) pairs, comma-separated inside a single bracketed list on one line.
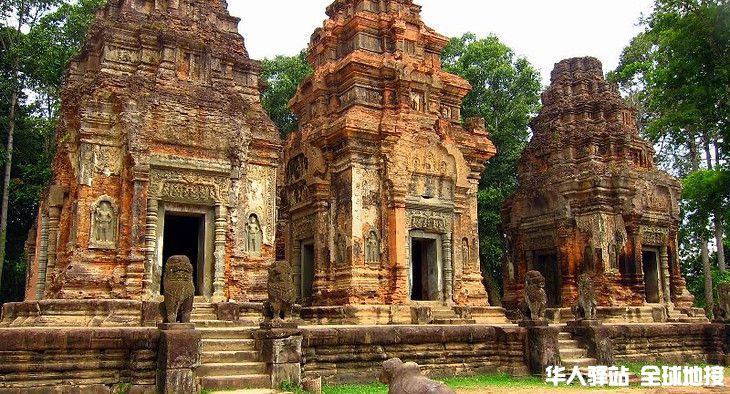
[(217, 324), (569, 363), (568, 343), (226, 332), (231, 356), (203, 316), (572, 353), (454, 321), (235, 382), (231, 369), (210, 345), (565, 335)]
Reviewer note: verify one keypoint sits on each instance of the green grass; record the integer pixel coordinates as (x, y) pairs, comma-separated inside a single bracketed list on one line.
[(501, 380), (373, 388), (470, 382)]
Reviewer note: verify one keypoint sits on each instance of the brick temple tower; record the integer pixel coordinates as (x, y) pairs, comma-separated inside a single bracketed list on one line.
[(592, 200), (380, 181), (164, 148)]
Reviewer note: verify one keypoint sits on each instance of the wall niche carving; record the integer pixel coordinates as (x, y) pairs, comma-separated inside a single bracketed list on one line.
[(254, 235), (104, 220), (372, 248)]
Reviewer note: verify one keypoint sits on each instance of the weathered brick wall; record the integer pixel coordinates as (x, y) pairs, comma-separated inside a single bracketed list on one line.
[(356, 354), (673, 343), (91, 360), (668, 343)]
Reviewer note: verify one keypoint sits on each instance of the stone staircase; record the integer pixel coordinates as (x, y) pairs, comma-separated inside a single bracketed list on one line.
[(696, 315), (446, 315), (572, 353), (229, 358)]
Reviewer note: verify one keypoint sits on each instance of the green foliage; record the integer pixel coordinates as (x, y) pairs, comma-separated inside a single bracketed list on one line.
[(42, 53), (290, 387), (282, 75), (696, 280), (677, 73), (506, 93), (706, 191), (683, 61), (55, 39)]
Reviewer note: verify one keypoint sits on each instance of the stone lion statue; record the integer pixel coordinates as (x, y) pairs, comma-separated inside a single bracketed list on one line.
[(406, 378), (282, 292), (722, 309), (585, 305), (535, 297), (179, 289)]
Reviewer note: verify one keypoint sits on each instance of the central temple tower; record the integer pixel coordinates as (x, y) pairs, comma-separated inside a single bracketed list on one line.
[(379, 200)]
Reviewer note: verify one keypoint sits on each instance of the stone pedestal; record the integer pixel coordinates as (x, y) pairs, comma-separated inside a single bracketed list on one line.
[(533, 323), (281, 350), (583, 323), (542, 346), (178, 354)]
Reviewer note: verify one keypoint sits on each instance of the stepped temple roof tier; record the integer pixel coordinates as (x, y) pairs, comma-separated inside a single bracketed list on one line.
[(163, 149), (379, 191), (592, 200)]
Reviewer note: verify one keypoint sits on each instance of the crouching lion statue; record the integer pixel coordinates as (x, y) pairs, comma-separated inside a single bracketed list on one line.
[(585, 306), (179, 290), (282, 293), (406, 378), (535, 301)]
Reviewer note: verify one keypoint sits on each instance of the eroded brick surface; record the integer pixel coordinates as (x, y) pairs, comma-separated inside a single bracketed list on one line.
[(381, 159), (592, 200), (161, 116)]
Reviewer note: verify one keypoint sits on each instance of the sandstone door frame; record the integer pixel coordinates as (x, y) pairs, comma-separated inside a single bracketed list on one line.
[(306, 245), (655, 277), (439, 286), (207, 212)]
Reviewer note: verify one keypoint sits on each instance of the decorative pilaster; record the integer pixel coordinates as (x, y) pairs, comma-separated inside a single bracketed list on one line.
[(55, 203), (219, 254), (664, 267), (42, 259), (296, 265), (150, 248), (135, 271), (448, 269)]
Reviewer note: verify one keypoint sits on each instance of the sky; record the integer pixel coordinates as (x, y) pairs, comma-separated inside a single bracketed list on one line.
[(543, 31)]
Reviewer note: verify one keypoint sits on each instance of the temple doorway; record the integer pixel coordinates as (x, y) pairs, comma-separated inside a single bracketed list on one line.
[(184, 234), (650, 263), (425, 278), (307, 272), (547, 264)]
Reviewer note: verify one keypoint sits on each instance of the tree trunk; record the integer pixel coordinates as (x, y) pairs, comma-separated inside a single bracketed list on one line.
[(719, 220), (704, 252), (7, 46), (6, 183)]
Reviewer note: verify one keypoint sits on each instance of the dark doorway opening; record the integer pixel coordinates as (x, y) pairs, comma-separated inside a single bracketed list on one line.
[(307, 273), (183, 235), (547, 264), (424, 268), (651, 276)]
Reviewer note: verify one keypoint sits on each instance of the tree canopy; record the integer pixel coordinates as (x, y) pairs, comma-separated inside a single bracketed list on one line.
[(282, 76), (506, 93)]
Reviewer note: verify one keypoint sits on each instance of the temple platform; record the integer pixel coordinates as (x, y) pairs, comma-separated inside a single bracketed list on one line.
[(650, 313)]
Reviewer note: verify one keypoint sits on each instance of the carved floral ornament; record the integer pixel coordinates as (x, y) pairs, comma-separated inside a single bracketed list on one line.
[(654, 236), (429, 221), (177, 185)]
